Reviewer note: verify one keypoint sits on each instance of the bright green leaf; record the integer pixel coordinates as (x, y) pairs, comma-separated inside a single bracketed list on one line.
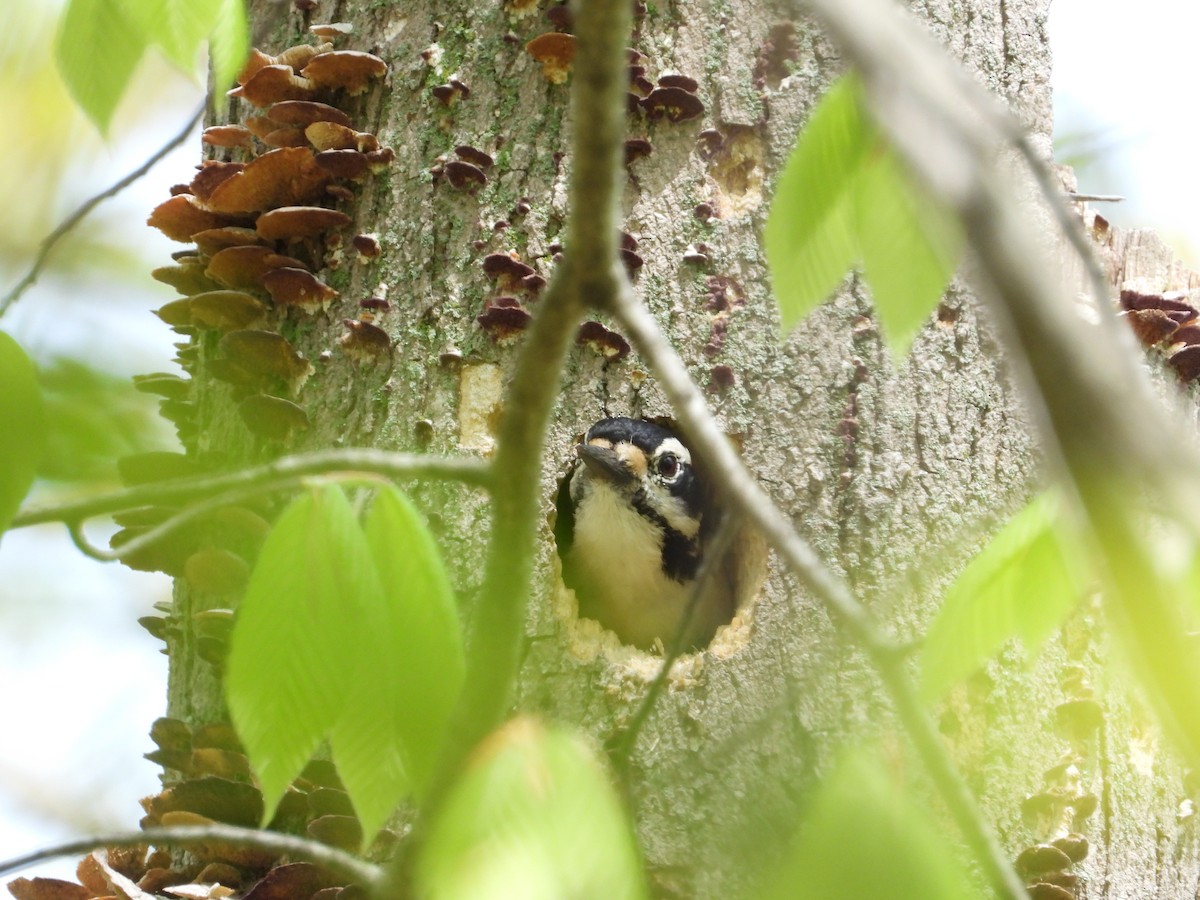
[(98, 49), (296, 641), (1022, 584), (387, 743), (228, 46), (22, 422), (809, 236), (844, 199), (178, 27), (910, 247), (534, 816), (864, 836)]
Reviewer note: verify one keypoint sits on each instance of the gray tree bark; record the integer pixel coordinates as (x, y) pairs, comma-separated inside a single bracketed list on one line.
[(883, 468)]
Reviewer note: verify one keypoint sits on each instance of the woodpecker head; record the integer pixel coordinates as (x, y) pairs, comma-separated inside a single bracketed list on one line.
[(647, 467), (631, 531)]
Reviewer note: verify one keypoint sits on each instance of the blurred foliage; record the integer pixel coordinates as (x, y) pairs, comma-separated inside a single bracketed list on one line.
[(22, 422), (865, 835), (93, 418)]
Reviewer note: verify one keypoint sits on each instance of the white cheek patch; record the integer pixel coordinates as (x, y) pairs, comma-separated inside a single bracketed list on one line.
[(672, 445)]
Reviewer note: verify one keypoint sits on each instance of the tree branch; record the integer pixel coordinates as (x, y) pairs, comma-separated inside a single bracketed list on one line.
[(591, 269), (69, 224), (272, 476), (329, 858)]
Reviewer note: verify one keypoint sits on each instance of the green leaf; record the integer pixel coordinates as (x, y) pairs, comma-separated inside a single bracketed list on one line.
[(810, 235), (296, 640), (178, 27), (1022, 584), (228, 47), (98, 49), (910, 247), (387, 743), (533, 816), (843, 199), (22, 422), (863, 835)]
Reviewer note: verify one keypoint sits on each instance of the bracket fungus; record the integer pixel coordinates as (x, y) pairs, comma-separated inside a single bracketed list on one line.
[(298, 287), (555, 51), (351, 71), (294, 222)]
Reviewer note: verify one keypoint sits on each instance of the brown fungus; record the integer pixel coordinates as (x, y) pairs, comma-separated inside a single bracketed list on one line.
[(366, 246), (375, 304), (555, 51), (350, 165), (181, 217), (631, 261), (163, 384), (474, 156), (635, 149), (463, 175), (672, 103), (226, 310), (451, 92), (603, 341), (289, 176), (272, 417), (273, 84), (242, 268), (1042, 858), (348, 70), (291, 222), (332, 136), (363, 341), (503, 319), (299, 288), (265, 354), (331, 30), (187, 278), (213, 173), (213, 240), (237, 137), (1186, 363), (302, 113), (675, 80)]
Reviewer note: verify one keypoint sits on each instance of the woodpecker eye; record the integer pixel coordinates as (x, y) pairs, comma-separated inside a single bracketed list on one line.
[(668, 465)]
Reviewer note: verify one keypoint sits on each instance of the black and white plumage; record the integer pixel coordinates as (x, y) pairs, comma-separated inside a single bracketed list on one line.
[(633, 518)]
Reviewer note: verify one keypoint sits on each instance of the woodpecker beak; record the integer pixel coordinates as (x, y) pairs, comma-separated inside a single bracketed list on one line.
[(605, 463)]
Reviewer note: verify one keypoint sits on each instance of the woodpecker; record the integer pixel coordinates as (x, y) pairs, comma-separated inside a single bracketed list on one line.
[(633, 517)]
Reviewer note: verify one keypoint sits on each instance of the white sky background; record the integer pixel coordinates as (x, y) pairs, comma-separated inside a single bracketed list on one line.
[(80, 683), (1126, 72)]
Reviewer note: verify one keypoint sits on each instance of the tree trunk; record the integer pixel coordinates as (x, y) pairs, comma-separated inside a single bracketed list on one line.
[(883, 468)]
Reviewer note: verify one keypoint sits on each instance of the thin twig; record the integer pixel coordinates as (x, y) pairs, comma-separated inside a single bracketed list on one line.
[(621, 747), (283, 471), (329, 858), (1077, 197), (740, 491), (68, 225)]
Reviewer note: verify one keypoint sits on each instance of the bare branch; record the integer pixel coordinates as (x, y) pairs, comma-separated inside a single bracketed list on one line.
[(272, 476), (69, 224), (329, 858)]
